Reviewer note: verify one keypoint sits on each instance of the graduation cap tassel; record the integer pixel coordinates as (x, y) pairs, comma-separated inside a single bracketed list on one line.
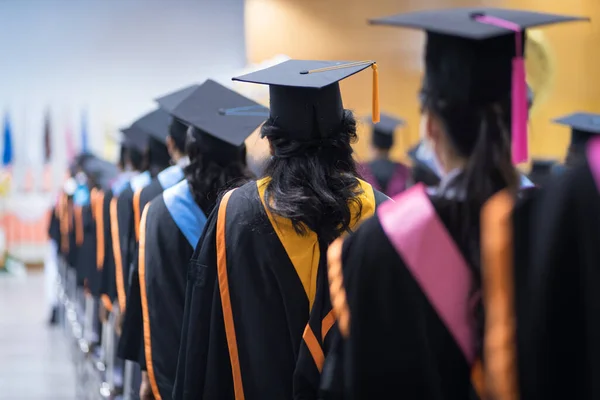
[(375, 111), (520, 152)]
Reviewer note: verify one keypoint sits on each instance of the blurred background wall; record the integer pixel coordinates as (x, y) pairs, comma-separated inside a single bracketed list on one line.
[(338, 29), (106, 58)]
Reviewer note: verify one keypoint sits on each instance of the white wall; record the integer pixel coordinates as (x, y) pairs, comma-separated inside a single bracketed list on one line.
[(111, 57)]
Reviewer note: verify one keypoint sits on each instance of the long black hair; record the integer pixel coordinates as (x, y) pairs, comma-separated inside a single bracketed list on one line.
[(215, 166), (313, 183), (481, 135)]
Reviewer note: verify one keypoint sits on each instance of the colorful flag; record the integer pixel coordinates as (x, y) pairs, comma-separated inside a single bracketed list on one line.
[(84, 133), (7, 155), (47, 138)]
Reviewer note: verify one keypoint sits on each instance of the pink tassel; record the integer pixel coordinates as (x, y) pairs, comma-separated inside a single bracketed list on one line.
[(520, 151)]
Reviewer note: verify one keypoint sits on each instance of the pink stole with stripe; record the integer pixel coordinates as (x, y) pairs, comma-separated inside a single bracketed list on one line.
[(593, 156), (431, 255)]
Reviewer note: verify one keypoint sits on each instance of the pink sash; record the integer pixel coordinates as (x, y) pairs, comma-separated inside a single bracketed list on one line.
[(431, 255), (593, 155)]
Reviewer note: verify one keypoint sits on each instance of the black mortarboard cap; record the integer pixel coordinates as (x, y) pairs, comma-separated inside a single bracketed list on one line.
[(221, 112), (171, 101), (476, 56), (583, 126), (469, 57), (135, 138), (156, 124), (305, 97), (383, 131)]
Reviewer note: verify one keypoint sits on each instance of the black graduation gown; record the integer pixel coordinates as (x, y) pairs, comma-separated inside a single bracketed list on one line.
[(558, 311), (122, 229), (131, 343), (54, 226), (170, 228), (398, 338), (106, 261), (272, 280), (386, 176), (85, 239)]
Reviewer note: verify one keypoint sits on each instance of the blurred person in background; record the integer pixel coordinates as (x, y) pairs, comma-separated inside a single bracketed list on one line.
[(389, 177), (173, 222), (555, 242), (584, 126)]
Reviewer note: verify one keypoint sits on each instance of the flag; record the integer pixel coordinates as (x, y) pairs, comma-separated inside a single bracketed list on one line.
[(47, 138), (7, 155), (84, 133)]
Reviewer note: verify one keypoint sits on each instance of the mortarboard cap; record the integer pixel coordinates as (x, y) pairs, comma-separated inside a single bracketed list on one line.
[(305, 97), (135, 138), (583, 126), (469, 57), (100, 171), (220, 112), (383, 131), (171, 101), (155, 124)]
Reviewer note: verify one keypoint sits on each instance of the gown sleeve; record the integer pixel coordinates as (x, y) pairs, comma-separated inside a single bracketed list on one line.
[(193, 350)]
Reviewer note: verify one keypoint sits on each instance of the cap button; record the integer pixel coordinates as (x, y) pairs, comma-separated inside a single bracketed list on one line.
[(222, 111), (477, 14), (303, 72)]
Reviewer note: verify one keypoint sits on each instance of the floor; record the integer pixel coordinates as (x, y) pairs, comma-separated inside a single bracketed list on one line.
[(35, 361)]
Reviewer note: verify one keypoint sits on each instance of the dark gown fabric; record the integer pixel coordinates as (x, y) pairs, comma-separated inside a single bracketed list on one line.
[(272, 282), (131, 343), (396, 341), (171, 228), (560, 302), (54, 226), (386, 176), (410, 351), (85, 262), (108, 285)]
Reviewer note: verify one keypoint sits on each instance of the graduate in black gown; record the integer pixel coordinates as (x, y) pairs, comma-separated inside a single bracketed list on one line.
[(414, 290), (254, 275), (576, 152), (558, 326), (155, 124), (173, 222), (132, 161), (131, 342), (387, 176)]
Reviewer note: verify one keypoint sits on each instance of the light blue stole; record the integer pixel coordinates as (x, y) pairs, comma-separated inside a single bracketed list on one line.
[(170, 176), (140, 181), (188, 217)]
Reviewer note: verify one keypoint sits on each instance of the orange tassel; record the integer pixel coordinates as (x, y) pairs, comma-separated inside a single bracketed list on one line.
[(375, 114)]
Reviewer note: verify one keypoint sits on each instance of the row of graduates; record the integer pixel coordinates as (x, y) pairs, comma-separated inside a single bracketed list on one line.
[(298, 285)]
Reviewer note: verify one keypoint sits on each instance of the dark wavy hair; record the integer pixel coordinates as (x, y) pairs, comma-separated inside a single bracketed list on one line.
[(215, 166), (313, 183)]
